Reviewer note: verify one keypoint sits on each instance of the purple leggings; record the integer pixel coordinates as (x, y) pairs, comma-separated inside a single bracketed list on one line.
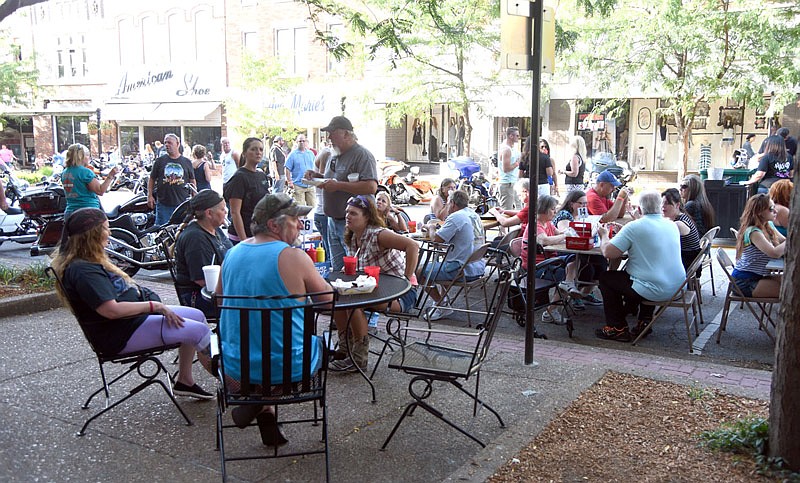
[(155, 332)]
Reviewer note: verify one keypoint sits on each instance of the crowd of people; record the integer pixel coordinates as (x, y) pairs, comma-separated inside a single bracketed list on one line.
[(660, 239)]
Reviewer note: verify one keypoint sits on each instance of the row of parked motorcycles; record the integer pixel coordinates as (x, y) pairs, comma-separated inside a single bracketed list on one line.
[(36, 215)]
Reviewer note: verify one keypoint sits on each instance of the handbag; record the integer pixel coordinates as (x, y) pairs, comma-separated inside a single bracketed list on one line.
[(147, 295)]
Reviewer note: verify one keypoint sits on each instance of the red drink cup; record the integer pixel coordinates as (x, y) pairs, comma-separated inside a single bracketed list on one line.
[(350, 265), (412, 226), (374, 272)]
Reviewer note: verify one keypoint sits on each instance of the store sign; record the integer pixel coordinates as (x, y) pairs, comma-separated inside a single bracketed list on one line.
[(299, 103), (166, 85), (588, 121)]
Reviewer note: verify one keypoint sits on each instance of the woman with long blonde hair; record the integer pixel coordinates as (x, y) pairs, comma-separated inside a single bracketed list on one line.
[(114, 315), (576, 167), (81, 186), (392, 215), (757, 242)]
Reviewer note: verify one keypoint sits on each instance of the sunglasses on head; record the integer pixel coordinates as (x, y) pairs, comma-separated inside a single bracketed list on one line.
[(359, 201), (684, 186)]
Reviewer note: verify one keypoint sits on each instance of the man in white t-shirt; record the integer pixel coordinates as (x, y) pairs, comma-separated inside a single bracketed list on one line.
[(229, 159)]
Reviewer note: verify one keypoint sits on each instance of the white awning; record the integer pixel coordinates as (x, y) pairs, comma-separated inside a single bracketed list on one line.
[(162, 111)]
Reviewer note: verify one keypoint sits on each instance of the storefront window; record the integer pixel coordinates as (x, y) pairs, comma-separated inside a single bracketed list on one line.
[(129, 140), (205, 136), (71, 130), (157, 133)]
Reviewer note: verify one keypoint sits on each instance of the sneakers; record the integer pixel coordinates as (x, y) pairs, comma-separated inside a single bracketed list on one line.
[(575, 292), (195, 391), (578, 305), (552, 318), (344, 366), (566, 286), (640, 326), (590, 299), (614, 333)]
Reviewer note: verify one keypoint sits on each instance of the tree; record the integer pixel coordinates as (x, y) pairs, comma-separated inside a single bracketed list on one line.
[(690, 52), (440, 50), (784, 408), (18, 78), (258, 108)]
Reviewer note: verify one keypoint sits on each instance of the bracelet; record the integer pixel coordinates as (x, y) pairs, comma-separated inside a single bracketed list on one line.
[(151, 306)]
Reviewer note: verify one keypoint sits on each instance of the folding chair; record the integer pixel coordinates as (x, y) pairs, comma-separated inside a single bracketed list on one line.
[(496, 261), (431, 256), (685, 298), (465, 284), (296, 382), (705, 245), (734, 294), (136, 362), (431, 361)]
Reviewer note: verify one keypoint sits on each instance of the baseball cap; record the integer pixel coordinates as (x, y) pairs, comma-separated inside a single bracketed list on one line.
[(204, 200), (273, 205), (608, 177), (277, 138), (338, 122)]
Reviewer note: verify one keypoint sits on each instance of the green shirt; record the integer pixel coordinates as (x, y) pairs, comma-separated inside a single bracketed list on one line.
[(76, 181)]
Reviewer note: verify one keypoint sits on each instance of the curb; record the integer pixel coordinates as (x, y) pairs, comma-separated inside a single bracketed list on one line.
[(29, 303)]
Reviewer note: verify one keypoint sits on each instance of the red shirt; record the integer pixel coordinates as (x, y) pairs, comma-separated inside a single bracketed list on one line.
[(596, 204), (523, 217), (547, 229)]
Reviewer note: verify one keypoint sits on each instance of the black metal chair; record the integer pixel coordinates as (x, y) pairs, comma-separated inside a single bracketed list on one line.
[(431, 360), (145, 363), (431, 256), (466, 285), (308, 387)]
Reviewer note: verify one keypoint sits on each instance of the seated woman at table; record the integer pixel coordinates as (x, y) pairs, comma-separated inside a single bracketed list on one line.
[(758, 241), (590, 265), (548, 234), (393, 217), (372, 244), (696, 203), (200, 243), (282, 270), (672, 207), (110, 307), (781, 194), (439, 202)]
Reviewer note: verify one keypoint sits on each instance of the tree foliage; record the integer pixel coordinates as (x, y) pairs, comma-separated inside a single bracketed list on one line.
[(18, 78), (439, 50), (689, 51), (254, 110)]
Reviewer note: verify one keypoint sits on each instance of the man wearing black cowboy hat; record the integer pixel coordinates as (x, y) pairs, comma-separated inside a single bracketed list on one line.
[(351, 171), (201, 243)]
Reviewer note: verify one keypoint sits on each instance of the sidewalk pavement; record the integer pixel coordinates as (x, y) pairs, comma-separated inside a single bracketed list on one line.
[(48, 371)]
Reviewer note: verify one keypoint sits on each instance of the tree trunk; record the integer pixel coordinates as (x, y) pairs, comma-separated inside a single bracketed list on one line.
[(467, 131), (784, 409)]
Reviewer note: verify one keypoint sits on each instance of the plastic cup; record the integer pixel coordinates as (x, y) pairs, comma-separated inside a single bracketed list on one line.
[(352, 177), (211, 275), (350, 265), (412, 226), (374, 272)]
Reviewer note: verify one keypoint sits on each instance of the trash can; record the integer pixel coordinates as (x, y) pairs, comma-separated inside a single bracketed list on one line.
[(732, 175), (728, 201)]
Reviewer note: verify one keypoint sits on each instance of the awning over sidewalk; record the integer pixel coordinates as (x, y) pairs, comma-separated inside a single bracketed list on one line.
[(162, 111)]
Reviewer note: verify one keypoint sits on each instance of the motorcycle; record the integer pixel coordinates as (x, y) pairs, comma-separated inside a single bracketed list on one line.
[(423, 187), (606, 161), (473, 181), (15, 188), (131, 248), (36, 208), (136, 209), (390, 182)]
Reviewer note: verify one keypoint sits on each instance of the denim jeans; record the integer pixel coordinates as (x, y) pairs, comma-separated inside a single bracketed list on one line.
[(336, 242), (321, 223), (163, 213)]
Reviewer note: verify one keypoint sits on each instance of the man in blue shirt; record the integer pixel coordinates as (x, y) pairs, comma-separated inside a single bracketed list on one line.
[(299, 161), (463, 229), (654, 270)]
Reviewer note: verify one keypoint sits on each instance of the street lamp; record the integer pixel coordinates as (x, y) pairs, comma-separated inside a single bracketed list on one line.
[(99, 134)]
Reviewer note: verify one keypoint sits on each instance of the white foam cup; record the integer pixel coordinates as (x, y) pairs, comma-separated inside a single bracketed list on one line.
[(353, 177), (211, 274)]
